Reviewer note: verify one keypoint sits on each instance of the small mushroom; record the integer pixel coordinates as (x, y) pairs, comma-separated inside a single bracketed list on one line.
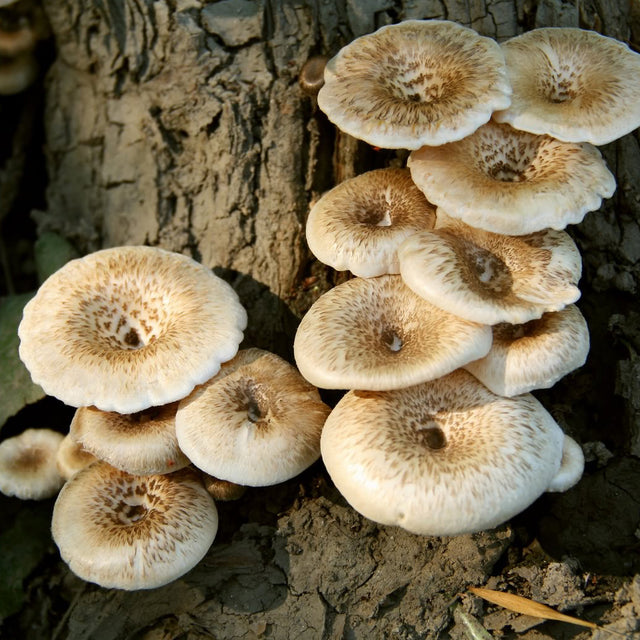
[(376, 333), (488, 277), (441, 458), (28, 464), (359, 224), (533, 355), (256, 423), (71, 457), (575, 85), (133, 532), (127, 328), (571, 467), (415, 83), (17, 73), (141, 443), (311, 78), (512, 182)]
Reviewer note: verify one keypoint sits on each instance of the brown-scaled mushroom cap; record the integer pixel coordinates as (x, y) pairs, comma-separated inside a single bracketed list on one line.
[(28, 464), (441, 458), (141, 443), (133, 532), (415, 83), (488, 277), (534, 355), (71, 457), (513, 182), (572, 84), (256, 423), (359, 224), (375, 333), (127, 328)]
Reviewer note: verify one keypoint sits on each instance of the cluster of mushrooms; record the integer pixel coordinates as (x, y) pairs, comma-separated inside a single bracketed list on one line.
[(465, 281), (22, 26), (170, 414)]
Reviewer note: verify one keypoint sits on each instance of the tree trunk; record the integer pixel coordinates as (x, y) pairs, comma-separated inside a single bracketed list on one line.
[(181, 123)]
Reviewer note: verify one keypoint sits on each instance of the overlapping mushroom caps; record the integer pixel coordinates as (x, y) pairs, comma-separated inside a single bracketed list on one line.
[(256, 423), (513, 182), (441, 458), (572, 84), (415, 83), (376, 333), (133, 532), (489, 277), (360, 223), (127, 328), (534, 355)]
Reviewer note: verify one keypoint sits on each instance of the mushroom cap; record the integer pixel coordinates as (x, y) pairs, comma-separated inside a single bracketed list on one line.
[(575, 85), (571, 466), (127, 328), (534, 355), (17, 41), (488, 277), (377, 334), (441, 458), (71, 457), (513, 182), (133, 532), (256, 423), (360, 223), (415, 83), (18, 73), (28, 464), (141, 443)]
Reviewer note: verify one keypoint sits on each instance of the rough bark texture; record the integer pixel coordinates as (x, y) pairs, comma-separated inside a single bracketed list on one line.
[(180, 123)]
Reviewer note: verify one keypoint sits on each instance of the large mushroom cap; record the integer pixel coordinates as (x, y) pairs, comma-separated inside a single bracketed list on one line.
[(415, 83), (359, 224), (575, 85), (534, 355), (127, 328), (28, 464), (375, 333), (133, 532), (256, 423), (489, 277), (441, 458), (513, 182), (141, 443)]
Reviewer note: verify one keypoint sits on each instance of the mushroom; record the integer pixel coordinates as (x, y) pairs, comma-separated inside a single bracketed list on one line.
[(375, 333), (17, 74), (415, 83), (359, 224), (533, 355), (141, 443), (223, 490), (71, 457), (571, 466), (28, 464), (488, 277), (256, 423), (575, 85), (441, 458), (127, 328), (507, 181), (311, 76), (133, 532)]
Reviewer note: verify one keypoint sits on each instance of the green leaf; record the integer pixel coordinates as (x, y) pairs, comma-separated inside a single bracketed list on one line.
[(23, 546), (52, 252), (16, 387)]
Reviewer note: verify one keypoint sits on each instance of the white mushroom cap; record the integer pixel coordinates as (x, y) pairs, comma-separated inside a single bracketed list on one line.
[(441, 458), (377, 334), (133, 532), (415, 83), (534, 355), (571, 467), (256, 423), (572, 84), (488, 277), (141, 443), (127, 328), (359, 224), (28, 464), (513, 182), (71, 457)]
